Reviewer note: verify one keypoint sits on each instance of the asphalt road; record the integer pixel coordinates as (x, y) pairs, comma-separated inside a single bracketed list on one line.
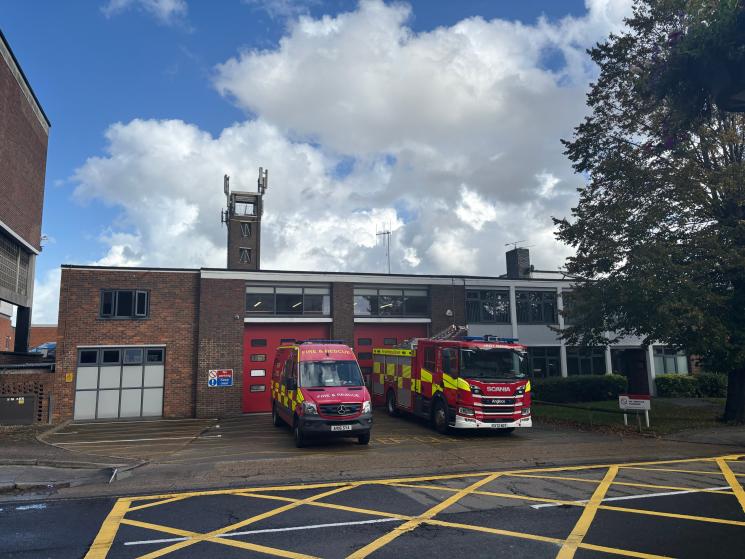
[(685, 508)]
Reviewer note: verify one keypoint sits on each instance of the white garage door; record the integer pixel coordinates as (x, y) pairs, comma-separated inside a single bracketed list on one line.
[(119, 382)]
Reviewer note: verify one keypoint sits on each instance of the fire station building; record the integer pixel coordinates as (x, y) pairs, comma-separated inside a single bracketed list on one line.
[(149, 342)]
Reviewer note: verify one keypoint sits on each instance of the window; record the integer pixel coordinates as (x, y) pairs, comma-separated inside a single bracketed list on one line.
[(258, 357), (88, 357), (365, 356), (245, 229), (668, 360), (389, 341), (245, 255), (536, 307), (133, 356), (429, 359), (450, 362), (245, 208), (487, 305), (119, 303), (585, 361), (258, 343), (390, 302), (287, 300), (364, 341), (544, 362), (155, 355), (110, 356)]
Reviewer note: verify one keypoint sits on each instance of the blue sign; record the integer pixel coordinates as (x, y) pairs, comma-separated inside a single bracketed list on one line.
[(220, 377)]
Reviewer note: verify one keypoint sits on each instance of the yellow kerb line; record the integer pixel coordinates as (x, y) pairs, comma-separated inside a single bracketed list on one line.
[(579, 532), (427, 515), (732, 480)]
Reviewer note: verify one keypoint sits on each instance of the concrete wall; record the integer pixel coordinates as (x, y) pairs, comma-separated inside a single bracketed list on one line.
[(172, 322)]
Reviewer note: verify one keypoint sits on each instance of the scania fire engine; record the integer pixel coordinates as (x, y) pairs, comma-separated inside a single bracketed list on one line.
[(463, 382)]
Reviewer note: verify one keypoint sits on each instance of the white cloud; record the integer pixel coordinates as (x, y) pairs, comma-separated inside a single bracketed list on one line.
[(449, 137), (46, 297), (165, 11), (282, 9)]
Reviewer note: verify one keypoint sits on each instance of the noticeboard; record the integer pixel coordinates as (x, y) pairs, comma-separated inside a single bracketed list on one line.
[(634, 402), (220, 378)]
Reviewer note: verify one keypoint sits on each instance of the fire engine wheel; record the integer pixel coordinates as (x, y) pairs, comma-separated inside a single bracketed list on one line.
[(298, 434), (364, 439), (276, 420), (390, 404), (440, 418)]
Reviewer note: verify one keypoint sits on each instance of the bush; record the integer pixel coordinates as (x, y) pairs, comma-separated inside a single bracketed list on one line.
[(677, 386), (590, 388), (712, 385)]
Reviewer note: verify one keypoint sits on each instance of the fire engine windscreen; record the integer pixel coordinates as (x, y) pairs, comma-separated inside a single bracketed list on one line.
[(493, 364), (330, 373)]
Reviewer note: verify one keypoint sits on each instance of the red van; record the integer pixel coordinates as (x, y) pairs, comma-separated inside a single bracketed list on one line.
[(318, 389)]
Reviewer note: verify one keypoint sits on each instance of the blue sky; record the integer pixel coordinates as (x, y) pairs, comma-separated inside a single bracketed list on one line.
[(92, 68)]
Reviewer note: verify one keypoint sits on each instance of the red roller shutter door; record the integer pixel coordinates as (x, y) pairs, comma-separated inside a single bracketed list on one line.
[(260, 342)]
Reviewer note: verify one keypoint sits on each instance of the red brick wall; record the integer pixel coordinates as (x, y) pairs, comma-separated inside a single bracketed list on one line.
[(174, 300), (42, 334), (23, 155), (29, 382), (222, 308), (6, 334)]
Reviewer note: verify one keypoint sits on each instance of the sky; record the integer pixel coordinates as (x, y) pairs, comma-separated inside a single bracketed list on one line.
[(438, 120)]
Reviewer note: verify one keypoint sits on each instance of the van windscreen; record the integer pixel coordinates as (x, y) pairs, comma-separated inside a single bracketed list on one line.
[(330, 373)]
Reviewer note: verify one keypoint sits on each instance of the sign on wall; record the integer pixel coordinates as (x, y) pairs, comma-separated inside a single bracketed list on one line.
[(220, 377)]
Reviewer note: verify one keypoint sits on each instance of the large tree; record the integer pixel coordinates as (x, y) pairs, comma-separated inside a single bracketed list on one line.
[(659, 231)]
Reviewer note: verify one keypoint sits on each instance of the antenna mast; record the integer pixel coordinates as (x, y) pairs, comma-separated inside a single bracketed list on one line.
[(387, 233)]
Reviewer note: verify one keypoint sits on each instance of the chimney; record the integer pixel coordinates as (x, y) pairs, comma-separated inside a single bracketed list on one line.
[(518, 263)]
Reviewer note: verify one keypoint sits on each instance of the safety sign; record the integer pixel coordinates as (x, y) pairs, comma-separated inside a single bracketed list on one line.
[(220, 377)]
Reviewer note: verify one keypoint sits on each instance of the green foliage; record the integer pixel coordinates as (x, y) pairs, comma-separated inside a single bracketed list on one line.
[(706, 385), (677, 386), (590, 388), (712, 385), (659, 230)]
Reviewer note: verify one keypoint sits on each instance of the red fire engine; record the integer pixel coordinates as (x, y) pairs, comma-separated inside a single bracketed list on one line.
[(456, 381)]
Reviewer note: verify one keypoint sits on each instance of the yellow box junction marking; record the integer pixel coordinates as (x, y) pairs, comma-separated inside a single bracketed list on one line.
[(567, 547)]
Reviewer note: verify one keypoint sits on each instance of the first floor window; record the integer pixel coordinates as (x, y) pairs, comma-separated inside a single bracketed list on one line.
[(487, 305), (536, 307), (288, 300), (245, 255), (371, 301), (124, 303)]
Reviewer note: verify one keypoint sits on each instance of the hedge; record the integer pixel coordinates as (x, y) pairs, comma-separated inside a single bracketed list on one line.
[(589, 388), (711, 385)]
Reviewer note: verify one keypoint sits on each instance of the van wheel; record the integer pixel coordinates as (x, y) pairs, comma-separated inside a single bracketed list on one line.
[(440, 418), (276, 420), (364, 439), (298, 434), (390, 404)]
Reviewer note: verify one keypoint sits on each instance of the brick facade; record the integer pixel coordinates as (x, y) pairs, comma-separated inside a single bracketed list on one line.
[(41, 334), (23, 156), (221, 313), (6, 333), (30, 382), (342, 312), (173, 320), (444, 298)]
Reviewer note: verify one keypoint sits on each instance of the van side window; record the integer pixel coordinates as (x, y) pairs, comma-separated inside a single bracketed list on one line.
[(429, 359), (287, 373), (450, 362)]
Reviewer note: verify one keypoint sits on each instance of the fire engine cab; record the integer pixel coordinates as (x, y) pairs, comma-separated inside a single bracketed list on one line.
[(318, 389), (456, 381)]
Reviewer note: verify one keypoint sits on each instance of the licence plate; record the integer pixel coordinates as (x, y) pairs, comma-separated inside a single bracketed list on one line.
[(499, 425), (341, 427), (498, 402)]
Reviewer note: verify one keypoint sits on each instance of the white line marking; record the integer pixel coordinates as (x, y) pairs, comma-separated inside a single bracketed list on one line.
[(76, 423), (630, 497), (40, 506), (126, 440), (270, 530)]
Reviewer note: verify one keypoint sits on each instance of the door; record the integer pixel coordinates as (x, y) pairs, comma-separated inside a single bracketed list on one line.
[(369, 336), (260, 343)]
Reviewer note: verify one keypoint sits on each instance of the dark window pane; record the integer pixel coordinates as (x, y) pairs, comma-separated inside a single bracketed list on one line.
[(365, 356), (260, 302), (244, 255), (289, 303), (258, 343), (364, 341), (287, 341), (258, 357), (416, 305), (389, 341), (110, 356), (429, 359), (317, 304), (141, 307), (390, 305), (107, 303), (124, 303), (132, 355), (245, 229), (473, 311), (155, 355), (88, 357)]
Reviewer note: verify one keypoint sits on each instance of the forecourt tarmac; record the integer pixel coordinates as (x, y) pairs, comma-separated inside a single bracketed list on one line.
[(674, 508)]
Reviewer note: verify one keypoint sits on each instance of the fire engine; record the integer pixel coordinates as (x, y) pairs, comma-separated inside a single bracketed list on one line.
[(456, 381)]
